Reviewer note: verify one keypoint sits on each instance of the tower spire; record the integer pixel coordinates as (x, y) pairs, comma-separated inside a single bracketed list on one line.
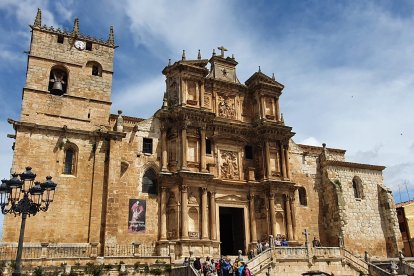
[(76, 27), (199, 54), (183, 56), (111, 38), (38, 19)]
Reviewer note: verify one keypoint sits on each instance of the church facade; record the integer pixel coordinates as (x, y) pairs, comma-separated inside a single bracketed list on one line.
[(214, 171)]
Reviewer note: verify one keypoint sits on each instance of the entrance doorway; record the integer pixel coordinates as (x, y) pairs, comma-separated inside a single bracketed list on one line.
[(231, 230)]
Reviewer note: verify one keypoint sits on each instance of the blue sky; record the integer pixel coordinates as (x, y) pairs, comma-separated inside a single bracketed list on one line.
[(347, 66)]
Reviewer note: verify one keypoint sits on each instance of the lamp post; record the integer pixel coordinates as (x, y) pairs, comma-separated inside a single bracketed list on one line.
[(21, 195)]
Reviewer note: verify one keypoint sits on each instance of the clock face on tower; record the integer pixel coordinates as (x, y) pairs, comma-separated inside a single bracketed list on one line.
[(80, 45)]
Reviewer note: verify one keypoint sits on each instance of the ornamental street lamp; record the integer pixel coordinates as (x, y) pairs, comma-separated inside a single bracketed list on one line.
[(21, 195)]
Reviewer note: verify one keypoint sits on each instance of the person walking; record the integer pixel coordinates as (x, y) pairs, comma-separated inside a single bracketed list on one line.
[(246, 271)]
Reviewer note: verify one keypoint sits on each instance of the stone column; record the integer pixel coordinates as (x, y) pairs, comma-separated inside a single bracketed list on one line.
[(267, 154), (272, 213), (277, 110), (202, 94), (184, 213), (204, 222), (289, 218), (163, 211), (252, 219), (283, 160), (164, 160), (293, 208), (213, 215), (184, 147), (286, 148), (203, 149)]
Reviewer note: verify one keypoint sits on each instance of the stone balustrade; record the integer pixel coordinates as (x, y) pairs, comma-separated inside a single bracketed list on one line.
[(76, 251)]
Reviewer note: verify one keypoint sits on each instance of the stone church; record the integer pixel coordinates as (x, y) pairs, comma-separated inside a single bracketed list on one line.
[(213, 171)]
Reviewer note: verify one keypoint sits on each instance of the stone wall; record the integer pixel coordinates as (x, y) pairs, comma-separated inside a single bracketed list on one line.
[(360, 218), (44, 151), (127, 185)]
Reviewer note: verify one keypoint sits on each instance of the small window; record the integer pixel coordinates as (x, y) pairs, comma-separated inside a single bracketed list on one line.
[(60, 39), (208, 146), (94, 67), (149, 182), (303, 200), (89, 46), (147, 145), (95, 70), (69, 166), (357, 187), (248, 152), (402, 227), (58, 81)]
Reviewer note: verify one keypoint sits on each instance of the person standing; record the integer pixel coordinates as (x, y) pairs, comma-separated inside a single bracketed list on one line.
[(316, 242)]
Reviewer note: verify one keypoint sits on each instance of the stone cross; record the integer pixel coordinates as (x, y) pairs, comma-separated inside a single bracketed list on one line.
[(222, 49), (306, 233)]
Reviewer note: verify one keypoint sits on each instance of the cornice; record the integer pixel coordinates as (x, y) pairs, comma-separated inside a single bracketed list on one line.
[(335, 163)]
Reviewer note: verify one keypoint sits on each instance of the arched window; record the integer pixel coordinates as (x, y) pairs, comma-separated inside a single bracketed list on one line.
[(303, 200), (69, 163), (95, 67), (149, 182), (357, 187), (58, 80)]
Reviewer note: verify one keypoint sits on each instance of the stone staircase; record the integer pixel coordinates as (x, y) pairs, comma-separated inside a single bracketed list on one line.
[(297, 260)]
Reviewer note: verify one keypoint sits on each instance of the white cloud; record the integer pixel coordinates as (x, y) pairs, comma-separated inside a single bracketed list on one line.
[(312, 141), (134, 99)]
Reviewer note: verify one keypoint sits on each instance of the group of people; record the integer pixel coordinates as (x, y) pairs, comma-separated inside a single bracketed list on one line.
[(222, 267), (280, 240)]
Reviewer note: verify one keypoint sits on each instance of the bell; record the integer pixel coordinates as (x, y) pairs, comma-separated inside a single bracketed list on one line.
[(57, 88)]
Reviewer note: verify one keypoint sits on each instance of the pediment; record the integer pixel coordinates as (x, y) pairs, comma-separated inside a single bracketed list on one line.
[(232, 198)]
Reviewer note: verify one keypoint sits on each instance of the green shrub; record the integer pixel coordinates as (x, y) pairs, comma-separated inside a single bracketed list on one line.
[(38, 271)]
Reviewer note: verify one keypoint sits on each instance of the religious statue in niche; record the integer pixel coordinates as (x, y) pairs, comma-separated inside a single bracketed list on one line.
[(227, 107), (191, 198), (229, 166)]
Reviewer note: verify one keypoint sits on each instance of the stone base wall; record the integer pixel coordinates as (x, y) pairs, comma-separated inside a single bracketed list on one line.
[(294, 268)]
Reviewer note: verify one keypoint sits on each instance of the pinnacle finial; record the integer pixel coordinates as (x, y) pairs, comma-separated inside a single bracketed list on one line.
[(111, 38), (164, 101), (232, 56), (214, 52), (199, 54), (273, 76), (38, 19), (260, 70), (281, 119), (183, 56), (169, 62), (76, 26)]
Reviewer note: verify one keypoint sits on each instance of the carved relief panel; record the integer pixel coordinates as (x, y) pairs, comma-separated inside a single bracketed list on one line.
[(207, 101), (229, 165), (226, 106)]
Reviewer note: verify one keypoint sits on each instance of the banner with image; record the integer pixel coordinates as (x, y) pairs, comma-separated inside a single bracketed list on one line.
[(136, 218)]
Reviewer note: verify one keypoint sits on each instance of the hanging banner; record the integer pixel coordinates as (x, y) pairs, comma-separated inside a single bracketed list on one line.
[(137, 212)]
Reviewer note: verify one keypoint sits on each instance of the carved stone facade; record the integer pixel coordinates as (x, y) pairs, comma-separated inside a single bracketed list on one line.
[(216, 165)]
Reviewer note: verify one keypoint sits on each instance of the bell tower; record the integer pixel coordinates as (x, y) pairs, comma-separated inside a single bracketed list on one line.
[(64, 130), (69, 77)]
